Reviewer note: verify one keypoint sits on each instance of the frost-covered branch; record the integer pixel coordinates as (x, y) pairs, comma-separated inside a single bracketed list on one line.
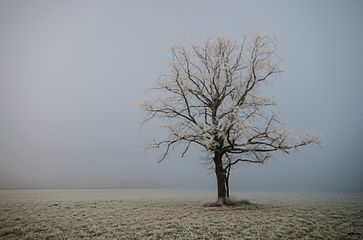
[(210, 99)]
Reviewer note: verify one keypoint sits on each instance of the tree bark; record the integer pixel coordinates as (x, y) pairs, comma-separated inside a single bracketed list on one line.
[(228, 171), (221, 178), (227, 188)]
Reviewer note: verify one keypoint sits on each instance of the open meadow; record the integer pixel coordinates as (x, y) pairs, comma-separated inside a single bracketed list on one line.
[(167, 214)]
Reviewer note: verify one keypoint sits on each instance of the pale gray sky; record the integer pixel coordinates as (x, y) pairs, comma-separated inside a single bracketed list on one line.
[(73, 72)]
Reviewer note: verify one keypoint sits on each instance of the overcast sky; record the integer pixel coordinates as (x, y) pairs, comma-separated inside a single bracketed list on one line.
[(72, 74)]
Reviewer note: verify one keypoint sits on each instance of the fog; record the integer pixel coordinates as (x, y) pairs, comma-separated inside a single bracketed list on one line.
[(72, 75)]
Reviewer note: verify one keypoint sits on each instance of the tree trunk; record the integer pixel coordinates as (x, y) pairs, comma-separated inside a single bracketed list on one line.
[(221, 178), (227, 188), (228, 171)]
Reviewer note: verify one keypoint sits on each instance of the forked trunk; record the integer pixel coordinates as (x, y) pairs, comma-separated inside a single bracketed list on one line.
[(221, 178)]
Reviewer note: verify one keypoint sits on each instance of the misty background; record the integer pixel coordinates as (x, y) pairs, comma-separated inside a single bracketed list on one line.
[(72, 74)]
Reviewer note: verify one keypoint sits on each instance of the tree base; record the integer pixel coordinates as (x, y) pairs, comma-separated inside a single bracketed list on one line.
[(228, 202)]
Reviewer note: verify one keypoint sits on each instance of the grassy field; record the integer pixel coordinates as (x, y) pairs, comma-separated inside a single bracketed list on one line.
[(162, 214)]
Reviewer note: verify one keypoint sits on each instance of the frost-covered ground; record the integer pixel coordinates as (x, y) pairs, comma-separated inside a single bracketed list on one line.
[(163, 214)]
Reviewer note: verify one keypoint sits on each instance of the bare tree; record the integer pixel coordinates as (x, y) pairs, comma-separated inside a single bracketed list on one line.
[(212, 101)]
